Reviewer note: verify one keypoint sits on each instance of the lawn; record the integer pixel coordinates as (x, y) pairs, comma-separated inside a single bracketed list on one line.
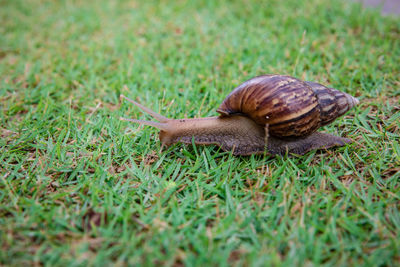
[(78, 186)]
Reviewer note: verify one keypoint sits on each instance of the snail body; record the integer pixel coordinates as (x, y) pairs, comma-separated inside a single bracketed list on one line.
[(272, 114)]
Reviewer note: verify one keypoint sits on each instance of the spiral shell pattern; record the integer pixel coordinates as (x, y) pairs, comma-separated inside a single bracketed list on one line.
[(291, 107), (333, 103)]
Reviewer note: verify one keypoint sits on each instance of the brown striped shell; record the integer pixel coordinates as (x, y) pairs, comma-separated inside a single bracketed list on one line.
[(291, 107)]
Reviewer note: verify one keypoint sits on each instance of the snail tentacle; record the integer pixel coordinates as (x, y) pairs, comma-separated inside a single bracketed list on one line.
[(152, 113), (158, 125)]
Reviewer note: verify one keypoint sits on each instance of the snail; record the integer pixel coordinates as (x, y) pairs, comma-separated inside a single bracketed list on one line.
[(274, 114)]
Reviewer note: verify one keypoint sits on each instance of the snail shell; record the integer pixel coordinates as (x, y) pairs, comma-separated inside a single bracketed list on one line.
[(291, 107)]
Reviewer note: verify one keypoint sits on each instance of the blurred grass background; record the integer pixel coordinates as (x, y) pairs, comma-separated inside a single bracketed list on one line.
[(80, 187)]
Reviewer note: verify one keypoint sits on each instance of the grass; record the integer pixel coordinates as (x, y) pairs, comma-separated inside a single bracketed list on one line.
[(80, 187)]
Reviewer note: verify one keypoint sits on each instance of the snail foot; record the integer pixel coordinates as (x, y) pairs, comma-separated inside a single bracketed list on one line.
[(301, 146)]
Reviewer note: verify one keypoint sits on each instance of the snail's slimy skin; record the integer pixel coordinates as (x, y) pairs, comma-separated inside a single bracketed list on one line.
[(243, 137), (238, 134)]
